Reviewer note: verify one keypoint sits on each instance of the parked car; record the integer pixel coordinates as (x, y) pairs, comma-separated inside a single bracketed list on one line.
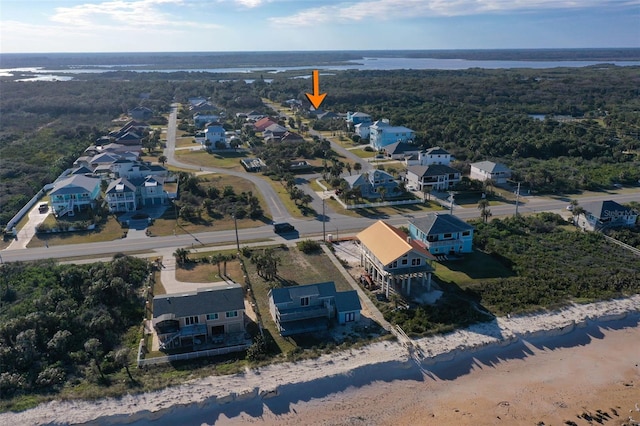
[(283, 227), (43, 208)]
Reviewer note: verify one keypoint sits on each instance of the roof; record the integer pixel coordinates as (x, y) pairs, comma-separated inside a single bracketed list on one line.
[(388, 243), (435, 223), (355, 180), (360, 114), (431, 170), (436, 150), (200, 302), (120, 185), (490, 166), (75, 184), (289, 294), (275, 128), (400, 148), (347, 301), (383, 126), (603, 209)]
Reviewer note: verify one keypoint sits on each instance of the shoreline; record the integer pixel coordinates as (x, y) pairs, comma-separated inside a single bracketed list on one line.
[(274, 390)]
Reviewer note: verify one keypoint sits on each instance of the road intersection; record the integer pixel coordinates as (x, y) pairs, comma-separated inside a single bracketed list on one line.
[(334, 223)]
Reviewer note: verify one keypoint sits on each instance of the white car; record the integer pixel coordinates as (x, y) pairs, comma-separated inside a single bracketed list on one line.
[(570, 207)]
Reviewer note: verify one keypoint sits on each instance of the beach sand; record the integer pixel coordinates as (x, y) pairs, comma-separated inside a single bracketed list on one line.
[(550, 367)]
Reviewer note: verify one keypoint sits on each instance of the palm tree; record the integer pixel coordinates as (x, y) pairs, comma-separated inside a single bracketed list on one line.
[(357, 167), (162, 159), (348, 167), (426, 190), (181, 255), (483, 206), (382, 191)]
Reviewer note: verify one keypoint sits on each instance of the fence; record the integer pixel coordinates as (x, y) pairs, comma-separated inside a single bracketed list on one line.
[(15, 219), (382, 204), (189, 355)]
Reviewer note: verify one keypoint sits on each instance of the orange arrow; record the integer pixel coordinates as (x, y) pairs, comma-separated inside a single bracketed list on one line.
[(316, 98)]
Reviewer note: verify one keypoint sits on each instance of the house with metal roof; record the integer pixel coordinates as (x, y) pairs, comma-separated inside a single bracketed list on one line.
[(309, 308), (74, 193), (392, 259), (437, 176), (488, 170), (442, 234), (600, 215), (201, 318)]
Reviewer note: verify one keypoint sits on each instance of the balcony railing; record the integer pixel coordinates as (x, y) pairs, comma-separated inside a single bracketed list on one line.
[(303, 313)]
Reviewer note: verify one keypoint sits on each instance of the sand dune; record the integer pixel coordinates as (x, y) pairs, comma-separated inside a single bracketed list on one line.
[(547, 368)]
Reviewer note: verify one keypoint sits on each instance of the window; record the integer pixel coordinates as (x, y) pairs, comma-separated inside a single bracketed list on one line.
[(447, 236), (231, 314), (416, 262), (404, 261), (350, 317), (212, 316), (466, 233), (304, 301), (394, 264), (191, 320)]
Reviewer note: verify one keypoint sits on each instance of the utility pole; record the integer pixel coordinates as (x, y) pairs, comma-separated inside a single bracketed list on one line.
[(451, 199), (324, 238), (235, 224), (517, 198)]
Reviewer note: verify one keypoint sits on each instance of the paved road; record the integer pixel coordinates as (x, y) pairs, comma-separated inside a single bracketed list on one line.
[(274, 206), (334, 223)]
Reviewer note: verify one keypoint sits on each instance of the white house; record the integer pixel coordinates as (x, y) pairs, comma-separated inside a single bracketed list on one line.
[(600, 215), (435, 155), (362, 130), (488, 170)]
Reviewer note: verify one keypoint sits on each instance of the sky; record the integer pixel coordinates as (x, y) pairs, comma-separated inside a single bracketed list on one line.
[(283, 25)]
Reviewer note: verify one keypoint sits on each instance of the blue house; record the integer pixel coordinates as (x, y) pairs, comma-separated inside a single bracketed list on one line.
[(308, 308), (354, 118), (442, 234), (381, 134)]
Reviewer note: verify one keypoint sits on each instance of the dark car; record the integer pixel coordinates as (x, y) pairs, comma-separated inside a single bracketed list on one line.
[(283, 227), (43, 208)]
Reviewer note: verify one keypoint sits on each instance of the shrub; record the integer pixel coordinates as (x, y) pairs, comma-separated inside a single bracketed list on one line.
[(309, 246)]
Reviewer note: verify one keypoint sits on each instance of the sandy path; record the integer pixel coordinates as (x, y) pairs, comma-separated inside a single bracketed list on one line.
[(520, 370)]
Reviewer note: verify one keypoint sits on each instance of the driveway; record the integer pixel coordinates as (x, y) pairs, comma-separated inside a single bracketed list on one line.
[(29, 229)]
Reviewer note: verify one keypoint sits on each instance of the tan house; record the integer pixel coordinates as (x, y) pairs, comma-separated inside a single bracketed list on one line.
[(393, 260), (200, 319)]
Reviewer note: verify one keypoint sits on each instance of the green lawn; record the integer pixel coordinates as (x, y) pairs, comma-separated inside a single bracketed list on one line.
[(474, 268), (362, 153), (107, 231), (227, 160)]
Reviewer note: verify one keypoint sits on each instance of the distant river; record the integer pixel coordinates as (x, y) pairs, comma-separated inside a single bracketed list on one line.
[(357, 64)]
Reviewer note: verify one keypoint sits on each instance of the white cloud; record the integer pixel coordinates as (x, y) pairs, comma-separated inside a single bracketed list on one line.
[(398, 9), (249, 3), (129, 13)]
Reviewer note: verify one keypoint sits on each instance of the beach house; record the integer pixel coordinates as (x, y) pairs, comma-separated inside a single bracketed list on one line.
[(207, 316), (309, 308), (393, 260)]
